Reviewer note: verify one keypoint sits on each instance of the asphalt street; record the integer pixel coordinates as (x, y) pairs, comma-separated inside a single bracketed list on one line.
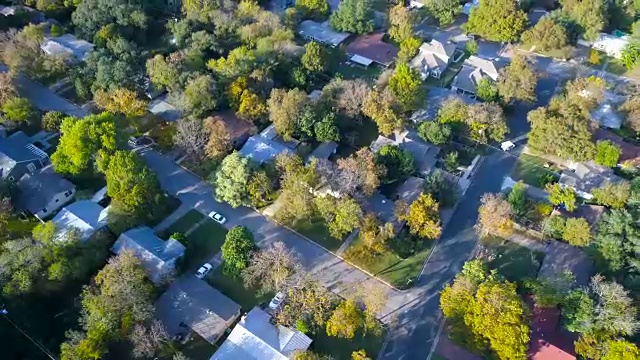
[(414, 315)]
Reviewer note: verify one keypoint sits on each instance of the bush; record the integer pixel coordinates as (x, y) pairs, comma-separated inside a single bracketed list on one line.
[(51, 121), (434, 132), (544, 209), (554, 226), (471, 47), (577, 232), (302, 326), (607, 154), (451, 161)]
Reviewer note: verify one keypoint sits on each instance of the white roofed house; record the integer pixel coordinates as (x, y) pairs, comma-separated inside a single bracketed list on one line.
[(425, 154), (255, 337), (85, 216), (321, 32), (473, 71), (586, 177), (68, 45), (611, 45), (433, 58)]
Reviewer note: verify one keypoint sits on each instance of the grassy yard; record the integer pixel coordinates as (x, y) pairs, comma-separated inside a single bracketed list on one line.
[(184, 223), (203, 243), (316, 230), (17, 227), (531, 170), (445, 79), (513, 261), (350, 71), (338, 348), (389, 266), (234, 289)]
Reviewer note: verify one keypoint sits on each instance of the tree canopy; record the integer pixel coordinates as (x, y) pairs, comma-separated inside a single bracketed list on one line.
[(518, 80), (231, 179), (353, 16), (236, 250), (497, 20)]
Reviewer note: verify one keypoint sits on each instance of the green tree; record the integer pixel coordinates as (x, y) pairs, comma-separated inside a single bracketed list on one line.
[(471, 47), (44, 232), (200, 96), (230, 180), (631, 54), (399, 163), (590, 16), (353, 16), (486, 90), (559, 195), (554, 226), (486, 121), (285, 110), (18, 110), (443, 190), (562, 129), (518, 80), (607, 154), (383, 109), (401, 23), (406, 85), (497, 20), (341, 215), (614, 195), (260, 189), (236, 250), (326, 129), (52, 120), (313, 9), (547, 34), (83, 139), (345, 320), (121, 101), (315, 58), (434, 132), (423, 217), (549, 292), (120, 295), (445, 11), (408, 48), (578, 311), (518, 199), (577, 232)]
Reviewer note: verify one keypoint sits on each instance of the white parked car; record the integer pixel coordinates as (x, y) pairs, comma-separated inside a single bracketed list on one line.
[(277, 301), (203, 271), (217, 217)]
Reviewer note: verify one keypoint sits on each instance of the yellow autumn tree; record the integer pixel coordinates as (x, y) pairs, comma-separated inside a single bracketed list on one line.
[(423, 217), (121, 101), (345, 320)]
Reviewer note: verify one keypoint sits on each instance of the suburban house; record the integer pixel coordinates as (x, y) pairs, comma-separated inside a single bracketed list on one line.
[(424, 154), (158, 257), (433, 58), (586, 177), (239, 130), (473, 70), (265, 146), (629, 153), (255, 337), (163, 109), (368, 49), (321, 32), (68, 44), (43, 193), (610, 44), (561, 257), (34, 15), (190, 304), (410, 190), (591, 213), (18, 157), (323, 151), (85, 216)]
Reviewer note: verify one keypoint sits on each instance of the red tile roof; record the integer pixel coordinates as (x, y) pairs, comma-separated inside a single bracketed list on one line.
[(372, 47), (548, 341)]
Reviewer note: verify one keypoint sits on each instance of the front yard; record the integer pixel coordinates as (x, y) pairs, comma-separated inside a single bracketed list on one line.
[(535, 171), (316, 229), (389, 266), (203, 243)]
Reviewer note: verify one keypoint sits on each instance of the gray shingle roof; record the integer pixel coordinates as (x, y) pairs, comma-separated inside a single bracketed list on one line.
[(562, 257), (152, 251), (255, 338), (321, 32), (37, 190), (323, 151), (84, 215), (193, 302), (16, 149)]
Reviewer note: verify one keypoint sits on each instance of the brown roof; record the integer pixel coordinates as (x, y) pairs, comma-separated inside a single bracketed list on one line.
[(237, 127), (628, 151), (548, 341), (372, 47), (591, 213)]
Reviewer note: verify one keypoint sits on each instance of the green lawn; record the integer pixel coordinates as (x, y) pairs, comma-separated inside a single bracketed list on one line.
[(234, 289), (203, 243), (389, 266), (17, 227), (350, 71), (341, 349), (513, 261), (184, 223), (316, 230), (616, 66), (530, 169)]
